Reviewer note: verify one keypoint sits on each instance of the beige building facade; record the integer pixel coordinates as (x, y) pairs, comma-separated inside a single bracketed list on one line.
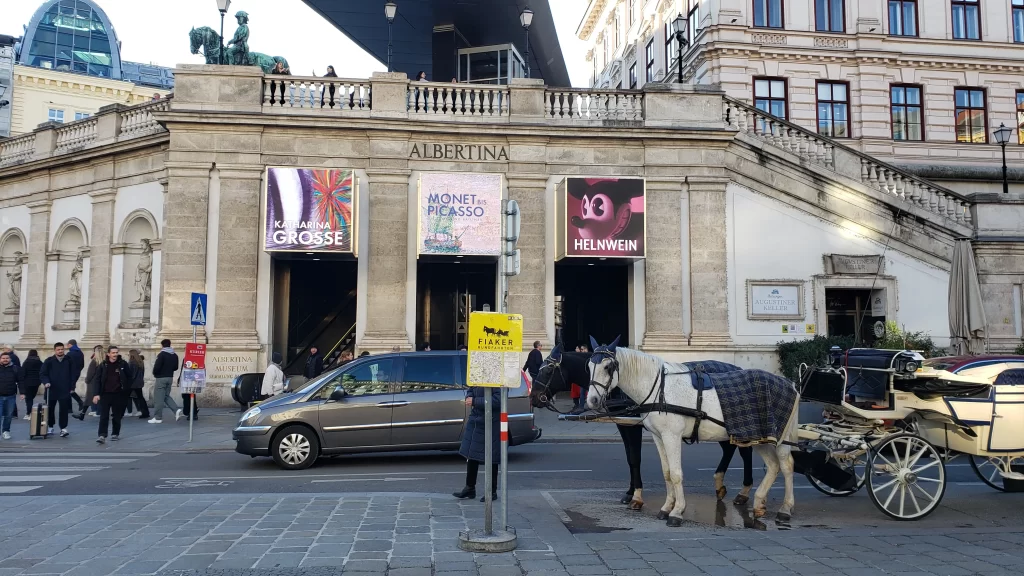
[(751, 235), (921, 84)]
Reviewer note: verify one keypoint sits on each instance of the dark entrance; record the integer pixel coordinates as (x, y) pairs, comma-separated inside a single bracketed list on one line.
[(314, 305), (446, 292), (849, 313), (591, 299)]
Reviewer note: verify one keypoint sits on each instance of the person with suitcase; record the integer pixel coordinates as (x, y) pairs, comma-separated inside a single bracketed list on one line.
[(10, 378), (30, 381), (56, 375)]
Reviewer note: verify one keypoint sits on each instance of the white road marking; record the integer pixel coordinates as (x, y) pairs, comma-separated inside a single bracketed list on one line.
[(762, 467), (17, 489), (66, 460), (554, 506), (54, 478), (78, 454), (52, 469), (362, 474), (367, 480)]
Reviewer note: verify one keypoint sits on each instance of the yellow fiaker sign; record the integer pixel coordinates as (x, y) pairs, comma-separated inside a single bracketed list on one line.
[(495, 343)]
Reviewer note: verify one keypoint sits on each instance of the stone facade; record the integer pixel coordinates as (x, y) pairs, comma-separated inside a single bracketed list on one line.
[(726, 204)]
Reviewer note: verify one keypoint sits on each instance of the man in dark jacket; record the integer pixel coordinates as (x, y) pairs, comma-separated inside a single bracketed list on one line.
[(57, 375), (534, 360), (113, 382), (164, 367), (16, 362), (314, 364), (10, 377), (77, 359)]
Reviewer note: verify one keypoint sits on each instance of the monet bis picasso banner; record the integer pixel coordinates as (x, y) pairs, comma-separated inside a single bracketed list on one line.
[(602, 217), (310, 210), (460, 214)]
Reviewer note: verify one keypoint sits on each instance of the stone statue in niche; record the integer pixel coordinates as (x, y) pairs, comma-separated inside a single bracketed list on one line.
[(75, 293), (144, 273), (14, 282)]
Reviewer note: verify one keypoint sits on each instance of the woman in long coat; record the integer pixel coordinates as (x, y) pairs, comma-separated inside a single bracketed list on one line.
[(473, 440)]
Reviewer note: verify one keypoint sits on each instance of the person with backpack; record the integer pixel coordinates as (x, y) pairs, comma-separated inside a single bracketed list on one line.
[(164, 367), (10, 378), (137, 363), (30, 381), (113, 383), (57, 375)]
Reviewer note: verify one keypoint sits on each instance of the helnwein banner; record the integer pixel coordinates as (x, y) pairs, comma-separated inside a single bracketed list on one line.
[(310, 210), (601, 218), (460, 214)]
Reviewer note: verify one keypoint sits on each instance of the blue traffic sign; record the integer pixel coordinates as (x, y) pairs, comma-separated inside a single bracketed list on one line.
[(198, 309)]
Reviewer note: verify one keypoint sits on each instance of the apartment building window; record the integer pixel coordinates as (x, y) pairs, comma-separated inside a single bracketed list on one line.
[(1020, 116), (55, 115), (770, 96), (82, 115), (632, 76), (1018, 20), (693, 22), (631, 13), (966, 19), (970, 115), (834, 109), (615, 24), (669, 44), (902, 18), (830, 15), (907, 112), (649, 53), (768, 14)]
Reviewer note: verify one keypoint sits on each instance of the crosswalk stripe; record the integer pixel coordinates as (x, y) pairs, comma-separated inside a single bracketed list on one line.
[(66, 461), (53, 478), (53, 468), (17, 489), (78, 454)]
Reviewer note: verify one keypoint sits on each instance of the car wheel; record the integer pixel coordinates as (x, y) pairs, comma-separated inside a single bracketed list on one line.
[(295, 448)]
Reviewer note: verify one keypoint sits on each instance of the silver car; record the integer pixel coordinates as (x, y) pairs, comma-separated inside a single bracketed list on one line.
[(390, 402)]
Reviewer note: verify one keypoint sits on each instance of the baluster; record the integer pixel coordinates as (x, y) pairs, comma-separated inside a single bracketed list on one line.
[(940, 205), (967, 214), (897, 184)]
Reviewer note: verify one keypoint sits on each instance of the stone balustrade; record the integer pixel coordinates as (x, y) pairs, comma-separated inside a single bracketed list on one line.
[(18, 149), (594, 105), (139, 121), (830, 154), (317, 95), (76, 135), (459, 100)]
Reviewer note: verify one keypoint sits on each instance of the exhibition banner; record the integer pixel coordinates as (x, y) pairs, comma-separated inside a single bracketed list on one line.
[(603, 217), (460, 214), (310, 210)]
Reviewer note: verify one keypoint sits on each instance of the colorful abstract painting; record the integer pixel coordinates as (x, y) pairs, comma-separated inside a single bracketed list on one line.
[(310, 210)]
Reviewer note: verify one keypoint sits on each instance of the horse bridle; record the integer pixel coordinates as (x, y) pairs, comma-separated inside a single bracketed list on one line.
[(546, 400), (602, 355)]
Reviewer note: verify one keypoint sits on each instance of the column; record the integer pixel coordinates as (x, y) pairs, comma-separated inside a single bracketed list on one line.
[(97, 323), (663, 276), (709, 287), (237, 250), (526, 292), (183, 258), (386, 249), (34, 335)]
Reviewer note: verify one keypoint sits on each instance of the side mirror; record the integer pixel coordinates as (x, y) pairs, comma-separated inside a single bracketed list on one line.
[(338, 395)]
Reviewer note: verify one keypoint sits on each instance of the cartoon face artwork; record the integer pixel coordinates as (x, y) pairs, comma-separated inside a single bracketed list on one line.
[(601, 217)]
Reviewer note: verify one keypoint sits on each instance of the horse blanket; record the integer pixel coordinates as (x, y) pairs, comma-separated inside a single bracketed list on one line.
[(618, 400), (756, 405)]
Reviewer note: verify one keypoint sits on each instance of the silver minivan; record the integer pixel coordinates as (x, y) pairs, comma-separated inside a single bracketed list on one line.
[(390, 402)]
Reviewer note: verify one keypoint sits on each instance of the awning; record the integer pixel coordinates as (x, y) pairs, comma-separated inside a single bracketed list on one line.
[(966, 313)]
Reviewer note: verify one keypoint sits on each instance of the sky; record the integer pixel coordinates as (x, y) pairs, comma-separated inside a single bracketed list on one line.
[(286, 28)]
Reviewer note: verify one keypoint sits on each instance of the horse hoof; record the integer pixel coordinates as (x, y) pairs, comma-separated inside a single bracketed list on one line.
[(741, 500), (783, 518), (760, 512), (636, 505), (721, 492), (662, 515), (674, 522), (626, 499)]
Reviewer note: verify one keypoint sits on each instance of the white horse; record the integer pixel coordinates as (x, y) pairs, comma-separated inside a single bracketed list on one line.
[(637, 375)]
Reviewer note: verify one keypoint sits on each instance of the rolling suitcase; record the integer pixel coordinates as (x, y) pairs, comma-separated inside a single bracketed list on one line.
[(37, 423)]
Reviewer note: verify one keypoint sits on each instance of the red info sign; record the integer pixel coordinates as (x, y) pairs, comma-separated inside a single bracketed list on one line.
[(195, 356)]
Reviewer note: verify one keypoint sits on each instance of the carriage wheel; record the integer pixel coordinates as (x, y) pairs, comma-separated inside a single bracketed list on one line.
[(860, 463), (906, 477), (988, 468)]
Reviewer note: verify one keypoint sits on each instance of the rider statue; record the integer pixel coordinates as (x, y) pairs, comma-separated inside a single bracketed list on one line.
[(240, 54)]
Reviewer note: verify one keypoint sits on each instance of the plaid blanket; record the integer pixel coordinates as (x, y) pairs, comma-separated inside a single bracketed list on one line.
[(618, 400), (756, 405)]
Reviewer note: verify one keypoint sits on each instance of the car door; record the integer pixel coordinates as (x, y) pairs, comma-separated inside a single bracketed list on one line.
[(430, 404), (362, 419)]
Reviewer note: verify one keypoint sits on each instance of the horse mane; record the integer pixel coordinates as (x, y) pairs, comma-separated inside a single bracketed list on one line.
[(636, 366)]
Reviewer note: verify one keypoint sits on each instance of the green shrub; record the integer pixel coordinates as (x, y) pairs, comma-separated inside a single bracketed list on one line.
[(813, 352), (1020, 349), (898, 339)]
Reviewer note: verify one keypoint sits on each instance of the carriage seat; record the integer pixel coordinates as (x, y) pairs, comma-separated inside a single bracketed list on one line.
[(871, 358), (1012, 377)]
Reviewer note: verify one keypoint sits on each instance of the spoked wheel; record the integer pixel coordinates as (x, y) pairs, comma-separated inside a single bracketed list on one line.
[(907, 477), (859, 464), (991, 468)]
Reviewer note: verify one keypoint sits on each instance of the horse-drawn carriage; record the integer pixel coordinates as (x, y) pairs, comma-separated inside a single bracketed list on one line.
[(892, 421)]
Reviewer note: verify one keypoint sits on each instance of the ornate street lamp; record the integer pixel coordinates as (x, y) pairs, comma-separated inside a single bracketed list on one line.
[(1002, 135), (3, 103), (680, 25), (390, 9), (223, 6), (526, 18)]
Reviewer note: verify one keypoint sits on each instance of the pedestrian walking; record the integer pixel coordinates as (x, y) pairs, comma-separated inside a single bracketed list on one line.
[(137, 363), (16, 362), (94, 362), (474, 443), (77, 359), (30, 381), (56, 375), (534, 360), (113, 381), (314, 364), (164, 367), (273, 378), (10, 379)]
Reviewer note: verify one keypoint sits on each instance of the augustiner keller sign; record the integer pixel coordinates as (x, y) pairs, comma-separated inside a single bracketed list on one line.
[(456, 152)]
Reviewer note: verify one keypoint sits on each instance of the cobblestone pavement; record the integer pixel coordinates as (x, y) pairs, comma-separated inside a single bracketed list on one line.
[(416, 535)]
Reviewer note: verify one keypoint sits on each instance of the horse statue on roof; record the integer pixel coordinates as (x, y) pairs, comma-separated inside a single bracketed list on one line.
[(209, 41)]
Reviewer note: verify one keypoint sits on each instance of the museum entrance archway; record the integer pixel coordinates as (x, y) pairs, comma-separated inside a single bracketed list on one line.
[(447, 290), (591, 299), (314, 305)]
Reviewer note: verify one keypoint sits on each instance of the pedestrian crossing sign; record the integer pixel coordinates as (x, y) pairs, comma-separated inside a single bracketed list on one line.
[(198, 308)]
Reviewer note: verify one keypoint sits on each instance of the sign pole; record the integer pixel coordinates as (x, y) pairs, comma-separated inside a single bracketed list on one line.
[(503, 308), (192, 405), (193, 370)]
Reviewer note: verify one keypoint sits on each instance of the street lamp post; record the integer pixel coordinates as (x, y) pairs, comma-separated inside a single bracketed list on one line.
[(1002, 135), (680, 25), (223, 6), (526, 18), (390, 9)]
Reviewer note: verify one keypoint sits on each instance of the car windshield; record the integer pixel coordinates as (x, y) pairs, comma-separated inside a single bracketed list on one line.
[(316, 382)]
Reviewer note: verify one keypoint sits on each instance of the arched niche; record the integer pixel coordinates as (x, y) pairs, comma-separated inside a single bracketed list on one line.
[(12, 267), (68, 252), (137, 241)]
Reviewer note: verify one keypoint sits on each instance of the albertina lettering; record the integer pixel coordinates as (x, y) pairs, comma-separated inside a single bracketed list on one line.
[(479, 152)]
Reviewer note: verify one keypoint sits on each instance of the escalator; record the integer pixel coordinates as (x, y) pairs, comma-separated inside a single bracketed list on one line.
[(332, 334)]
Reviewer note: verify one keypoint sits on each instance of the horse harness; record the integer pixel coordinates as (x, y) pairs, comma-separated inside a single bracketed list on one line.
[(660, 405)]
